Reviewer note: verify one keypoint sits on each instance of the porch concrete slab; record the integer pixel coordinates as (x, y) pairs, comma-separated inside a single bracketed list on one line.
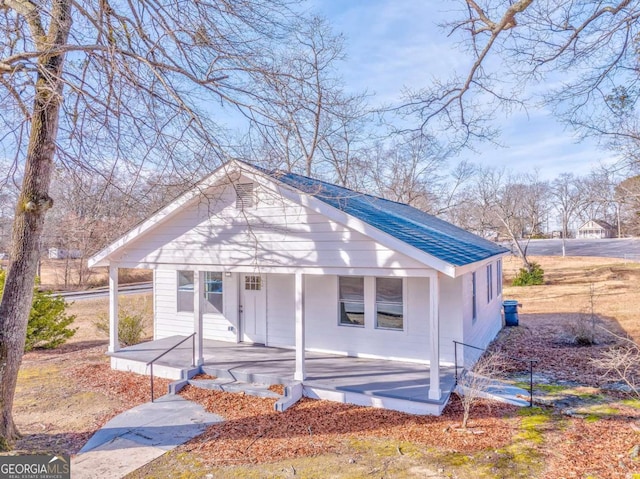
[(139, 435), (269, 365)]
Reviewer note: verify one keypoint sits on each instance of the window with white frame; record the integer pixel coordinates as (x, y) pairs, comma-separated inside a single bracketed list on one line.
[(499, 277), (213, 292), (389, 303), (252, 283), (351, 300), (474, 307), (185, 291), (489, 283)]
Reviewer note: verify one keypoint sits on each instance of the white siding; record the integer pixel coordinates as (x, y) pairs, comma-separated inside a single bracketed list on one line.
[(489, 314), (324, 334), (281, 310), (168, 322), (277, 232), (452, 303)]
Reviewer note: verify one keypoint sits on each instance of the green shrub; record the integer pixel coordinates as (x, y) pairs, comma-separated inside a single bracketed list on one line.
[(48, 324), (131, 326), (527, 277)]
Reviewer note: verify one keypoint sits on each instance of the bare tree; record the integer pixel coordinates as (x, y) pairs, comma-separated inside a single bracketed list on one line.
[(477, 381), (568, 200), (506, 204), (312, 123), (586, 52), (621, 362), (409, 169), (627, 194), (600, 202), (88, 83)]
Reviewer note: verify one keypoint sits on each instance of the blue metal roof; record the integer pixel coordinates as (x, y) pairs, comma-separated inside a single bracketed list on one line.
[(423, 231)]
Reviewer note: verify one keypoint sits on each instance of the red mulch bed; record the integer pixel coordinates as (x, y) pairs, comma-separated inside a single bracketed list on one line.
[(131, 388), (254, 433)]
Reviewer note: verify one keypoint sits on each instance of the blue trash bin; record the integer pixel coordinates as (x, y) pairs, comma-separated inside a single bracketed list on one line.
[(510, 312)]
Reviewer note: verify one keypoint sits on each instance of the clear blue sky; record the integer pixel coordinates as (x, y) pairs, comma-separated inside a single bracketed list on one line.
[(393, 44)]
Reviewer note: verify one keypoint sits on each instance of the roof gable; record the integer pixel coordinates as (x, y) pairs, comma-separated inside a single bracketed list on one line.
[(416, 228), (436, 243), (597, 223)]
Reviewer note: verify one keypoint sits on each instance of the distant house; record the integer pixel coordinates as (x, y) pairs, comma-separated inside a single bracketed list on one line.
[(596, 229), (284, 262), (60, 253)]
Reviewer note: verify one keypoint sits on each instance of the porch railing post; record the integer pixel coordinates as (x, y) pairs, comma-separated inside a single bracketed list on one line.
[(531, 383), (455, 361), (193, 351), (151, 372), (193, 356)]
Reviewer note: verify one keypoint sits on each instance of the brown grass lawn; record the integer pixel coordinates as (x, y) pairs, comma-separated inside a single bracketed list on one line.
[(567, 287), (60, 275), (578, 430)]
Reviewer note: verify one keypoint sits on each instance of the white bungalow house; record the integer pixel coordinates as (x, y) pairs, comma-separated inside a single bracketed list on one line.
[(291, 263), (596, 229)]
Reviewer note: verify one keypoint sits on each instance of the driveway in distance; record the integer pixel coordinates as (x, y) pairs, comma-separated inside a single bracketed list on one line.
[(627, 248)]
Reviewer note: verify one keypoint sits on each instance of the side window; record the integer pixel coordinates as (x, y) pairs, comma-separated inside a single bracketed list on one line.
[(351, 300), (389, 303), (474, 308), (213, 292), (489, 283), (499, 277), (185, 291)]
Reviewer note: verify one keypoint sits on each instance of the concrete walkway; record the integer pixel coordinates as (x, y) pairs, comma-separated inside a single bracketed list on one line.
[(140, 435)]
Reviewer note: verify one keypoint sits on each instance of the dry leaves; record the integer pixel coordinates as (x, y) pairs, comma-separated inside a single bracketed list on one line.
[(254, 433), (133, 389)]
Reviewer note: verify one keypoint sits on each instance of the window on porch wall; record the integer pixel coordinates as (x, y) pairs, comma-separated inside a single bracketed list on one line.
[(213, 292), (389, 303), (474, 309), (185, 291), (489, 283), (351, 294)]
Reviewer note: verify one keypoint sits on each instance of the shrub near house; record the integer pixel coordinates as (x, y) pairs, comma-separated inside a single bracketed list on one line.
[(48, 325)]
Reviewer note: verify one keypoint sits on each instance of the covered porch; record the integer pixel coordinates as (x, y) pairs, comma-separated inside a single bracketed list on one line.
[(395, 385)]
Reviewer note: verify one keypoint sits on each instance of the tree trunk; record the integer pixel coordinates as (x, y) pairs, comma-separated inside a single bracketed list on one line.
[(33, 202)]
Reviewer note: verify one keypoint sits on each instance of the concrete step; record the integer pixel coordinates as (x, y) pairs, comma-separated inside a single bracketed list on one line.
[(233, 386), (494, 389), (246, 376)]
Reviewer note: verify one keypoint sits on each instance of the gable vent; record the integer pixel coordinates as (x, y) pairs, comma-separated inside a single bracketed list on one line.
[(244, 195)]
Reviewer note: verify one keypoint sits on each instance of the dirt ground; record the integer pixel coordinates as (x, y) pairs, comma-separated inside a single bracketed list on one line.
[(578, 429)]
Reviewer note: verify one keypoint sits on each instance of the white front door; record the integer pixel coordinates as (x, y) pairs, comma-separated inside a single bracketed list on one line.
[(253, 308)]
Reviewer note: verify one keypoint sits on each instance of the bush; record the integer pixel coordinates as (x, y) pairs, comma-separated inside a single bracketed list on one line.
[(48, 324), (131, 326), (582, 331), (528, 277)]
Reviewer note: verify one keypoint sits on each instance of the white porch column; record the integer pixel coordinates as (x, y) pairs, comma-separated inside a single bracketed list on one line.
[(197, 318), (300, 373), (434, 338), (114, 341)]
